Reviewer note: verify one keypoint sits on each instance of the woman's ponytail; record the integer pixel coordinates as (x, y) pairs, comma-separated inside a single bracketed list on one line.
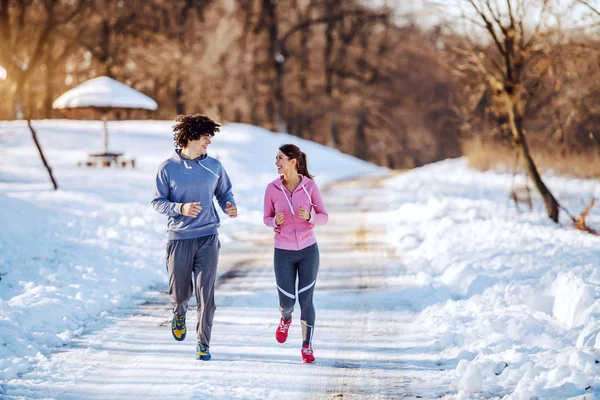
[(303, 166), (293, 152)]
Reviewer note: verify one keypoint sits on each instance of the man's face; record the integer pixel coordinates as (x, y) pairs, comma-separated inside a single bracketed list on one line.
[(201, 144)]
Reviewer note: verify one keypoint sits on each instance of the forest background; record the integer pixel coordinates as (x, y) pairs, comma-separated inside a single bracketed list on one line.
[(397, 83)]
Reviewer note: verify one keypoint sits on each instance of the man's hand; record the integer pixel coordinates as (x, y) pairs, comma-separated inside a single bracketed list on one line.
[(279, 219), (302, 213), (231, 210), (191, 209)]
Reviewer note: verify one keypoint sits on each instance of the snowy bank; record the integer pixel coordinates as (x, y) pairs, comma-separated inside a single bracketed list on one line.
[(511, 299)]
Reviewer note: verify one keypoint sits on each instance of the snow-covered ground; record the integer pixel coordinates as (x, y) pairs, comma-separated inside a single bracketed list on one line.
[(431, 283), (514, 295)]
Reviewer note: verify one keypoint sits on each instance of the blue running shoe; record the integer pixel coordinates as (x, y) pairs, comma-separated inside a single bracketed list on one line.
[(202, 352), (178, 327)]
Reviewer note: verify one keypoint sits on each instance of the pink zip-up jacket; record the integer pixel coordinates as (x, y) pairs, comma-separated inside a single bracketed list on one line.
[(295, 233)]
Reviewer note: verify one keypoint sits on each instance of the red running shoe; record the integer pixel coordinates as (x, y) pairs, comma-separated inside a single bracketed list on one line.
[(307, 354), (281, 333)]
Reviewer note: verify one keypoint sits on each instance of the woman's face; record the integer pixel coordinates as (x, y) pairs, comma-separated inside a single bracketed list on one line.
[(284, 164)]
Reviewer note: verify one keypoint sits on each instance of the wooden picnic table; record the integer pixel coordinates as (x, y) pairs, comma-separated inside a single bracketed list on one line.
[(107, 160)]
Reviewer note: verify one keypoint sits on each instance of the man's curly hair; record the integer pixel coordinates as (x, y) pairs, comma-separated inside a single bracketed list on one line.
[(193, 127)]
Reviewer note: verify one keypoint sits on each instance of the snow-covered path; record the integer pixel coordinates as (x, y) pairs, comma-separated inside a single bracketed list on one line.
[(366, 343)]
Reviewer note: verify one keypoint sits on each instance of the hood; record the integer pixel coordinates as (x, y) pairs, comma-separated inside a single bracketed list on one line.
[(177, 157), (279, 181)]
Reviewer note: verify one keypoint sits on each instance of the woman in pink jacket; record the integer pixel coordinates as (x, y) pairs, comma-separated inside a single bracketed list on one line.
[(293, 206)]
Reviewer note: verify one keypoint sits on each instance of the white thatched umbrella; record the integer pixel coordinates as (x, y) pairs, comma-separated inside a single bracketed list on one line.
[(104, 93)]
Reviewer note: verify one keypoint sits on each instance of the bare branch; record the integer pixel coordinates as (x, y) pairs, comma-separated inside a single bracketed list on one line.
[(496, 17), (510, 13), (536, 31), (489, 26), (588, 5)]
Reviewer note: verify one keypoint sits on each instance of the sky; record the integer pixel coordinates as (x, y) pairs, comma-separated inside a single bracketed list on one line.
[(429, 13)]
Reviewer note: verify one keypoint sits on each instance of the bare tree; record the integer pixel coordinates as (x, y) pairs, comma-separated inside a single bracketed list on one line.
[(513, 68), (591, 5)]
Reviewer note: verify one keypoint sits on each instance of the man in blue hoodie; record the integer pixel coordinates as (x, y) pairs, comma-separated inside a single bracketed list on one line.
[(184, 190)]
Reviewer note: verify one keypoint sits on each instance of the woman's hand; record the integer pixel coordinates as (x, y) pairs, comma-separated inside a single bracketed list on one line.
[(279, 219), (302, 213)]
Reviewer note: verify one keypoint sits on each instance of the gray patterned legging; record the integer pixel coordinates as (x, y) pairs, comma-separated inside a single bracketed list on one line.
[(304, 264)]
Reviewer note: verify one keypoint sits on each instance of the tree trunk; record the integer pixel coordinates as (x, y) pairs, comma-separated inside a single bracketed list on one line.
[(530, 167), (304, 61), (105, 43), (49, 83), (332, 141), (302, 119), (37, 144), (333, 129), (279, 98), (361, 145), (252, 94), (179, 104), (308, 128), (276, 111), (551, 203)]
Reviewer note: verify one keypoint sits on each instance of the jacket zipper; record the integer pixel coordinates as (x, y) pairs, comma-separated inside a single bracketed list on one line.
[(293, 216)]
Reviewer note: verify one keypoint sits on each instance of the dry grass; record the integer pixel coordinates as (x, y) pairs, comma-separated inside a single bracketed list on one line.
[(489, 155)]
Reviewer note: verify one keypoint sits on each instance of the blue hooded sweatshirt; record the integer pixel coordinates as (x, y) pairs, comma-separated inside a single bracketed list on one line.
[(180, 181)]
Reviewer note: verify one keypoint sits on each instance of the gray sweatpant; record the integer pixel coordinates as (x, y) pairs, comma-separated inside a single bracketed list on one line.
[(193, 263), (305, 264)]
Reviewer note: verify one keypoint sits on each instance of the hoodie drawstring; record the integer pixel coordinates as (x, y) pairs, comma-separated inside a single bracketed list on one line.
[(308, 195), (208, 169), (202, 165), (288, 200), (290, 203)]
